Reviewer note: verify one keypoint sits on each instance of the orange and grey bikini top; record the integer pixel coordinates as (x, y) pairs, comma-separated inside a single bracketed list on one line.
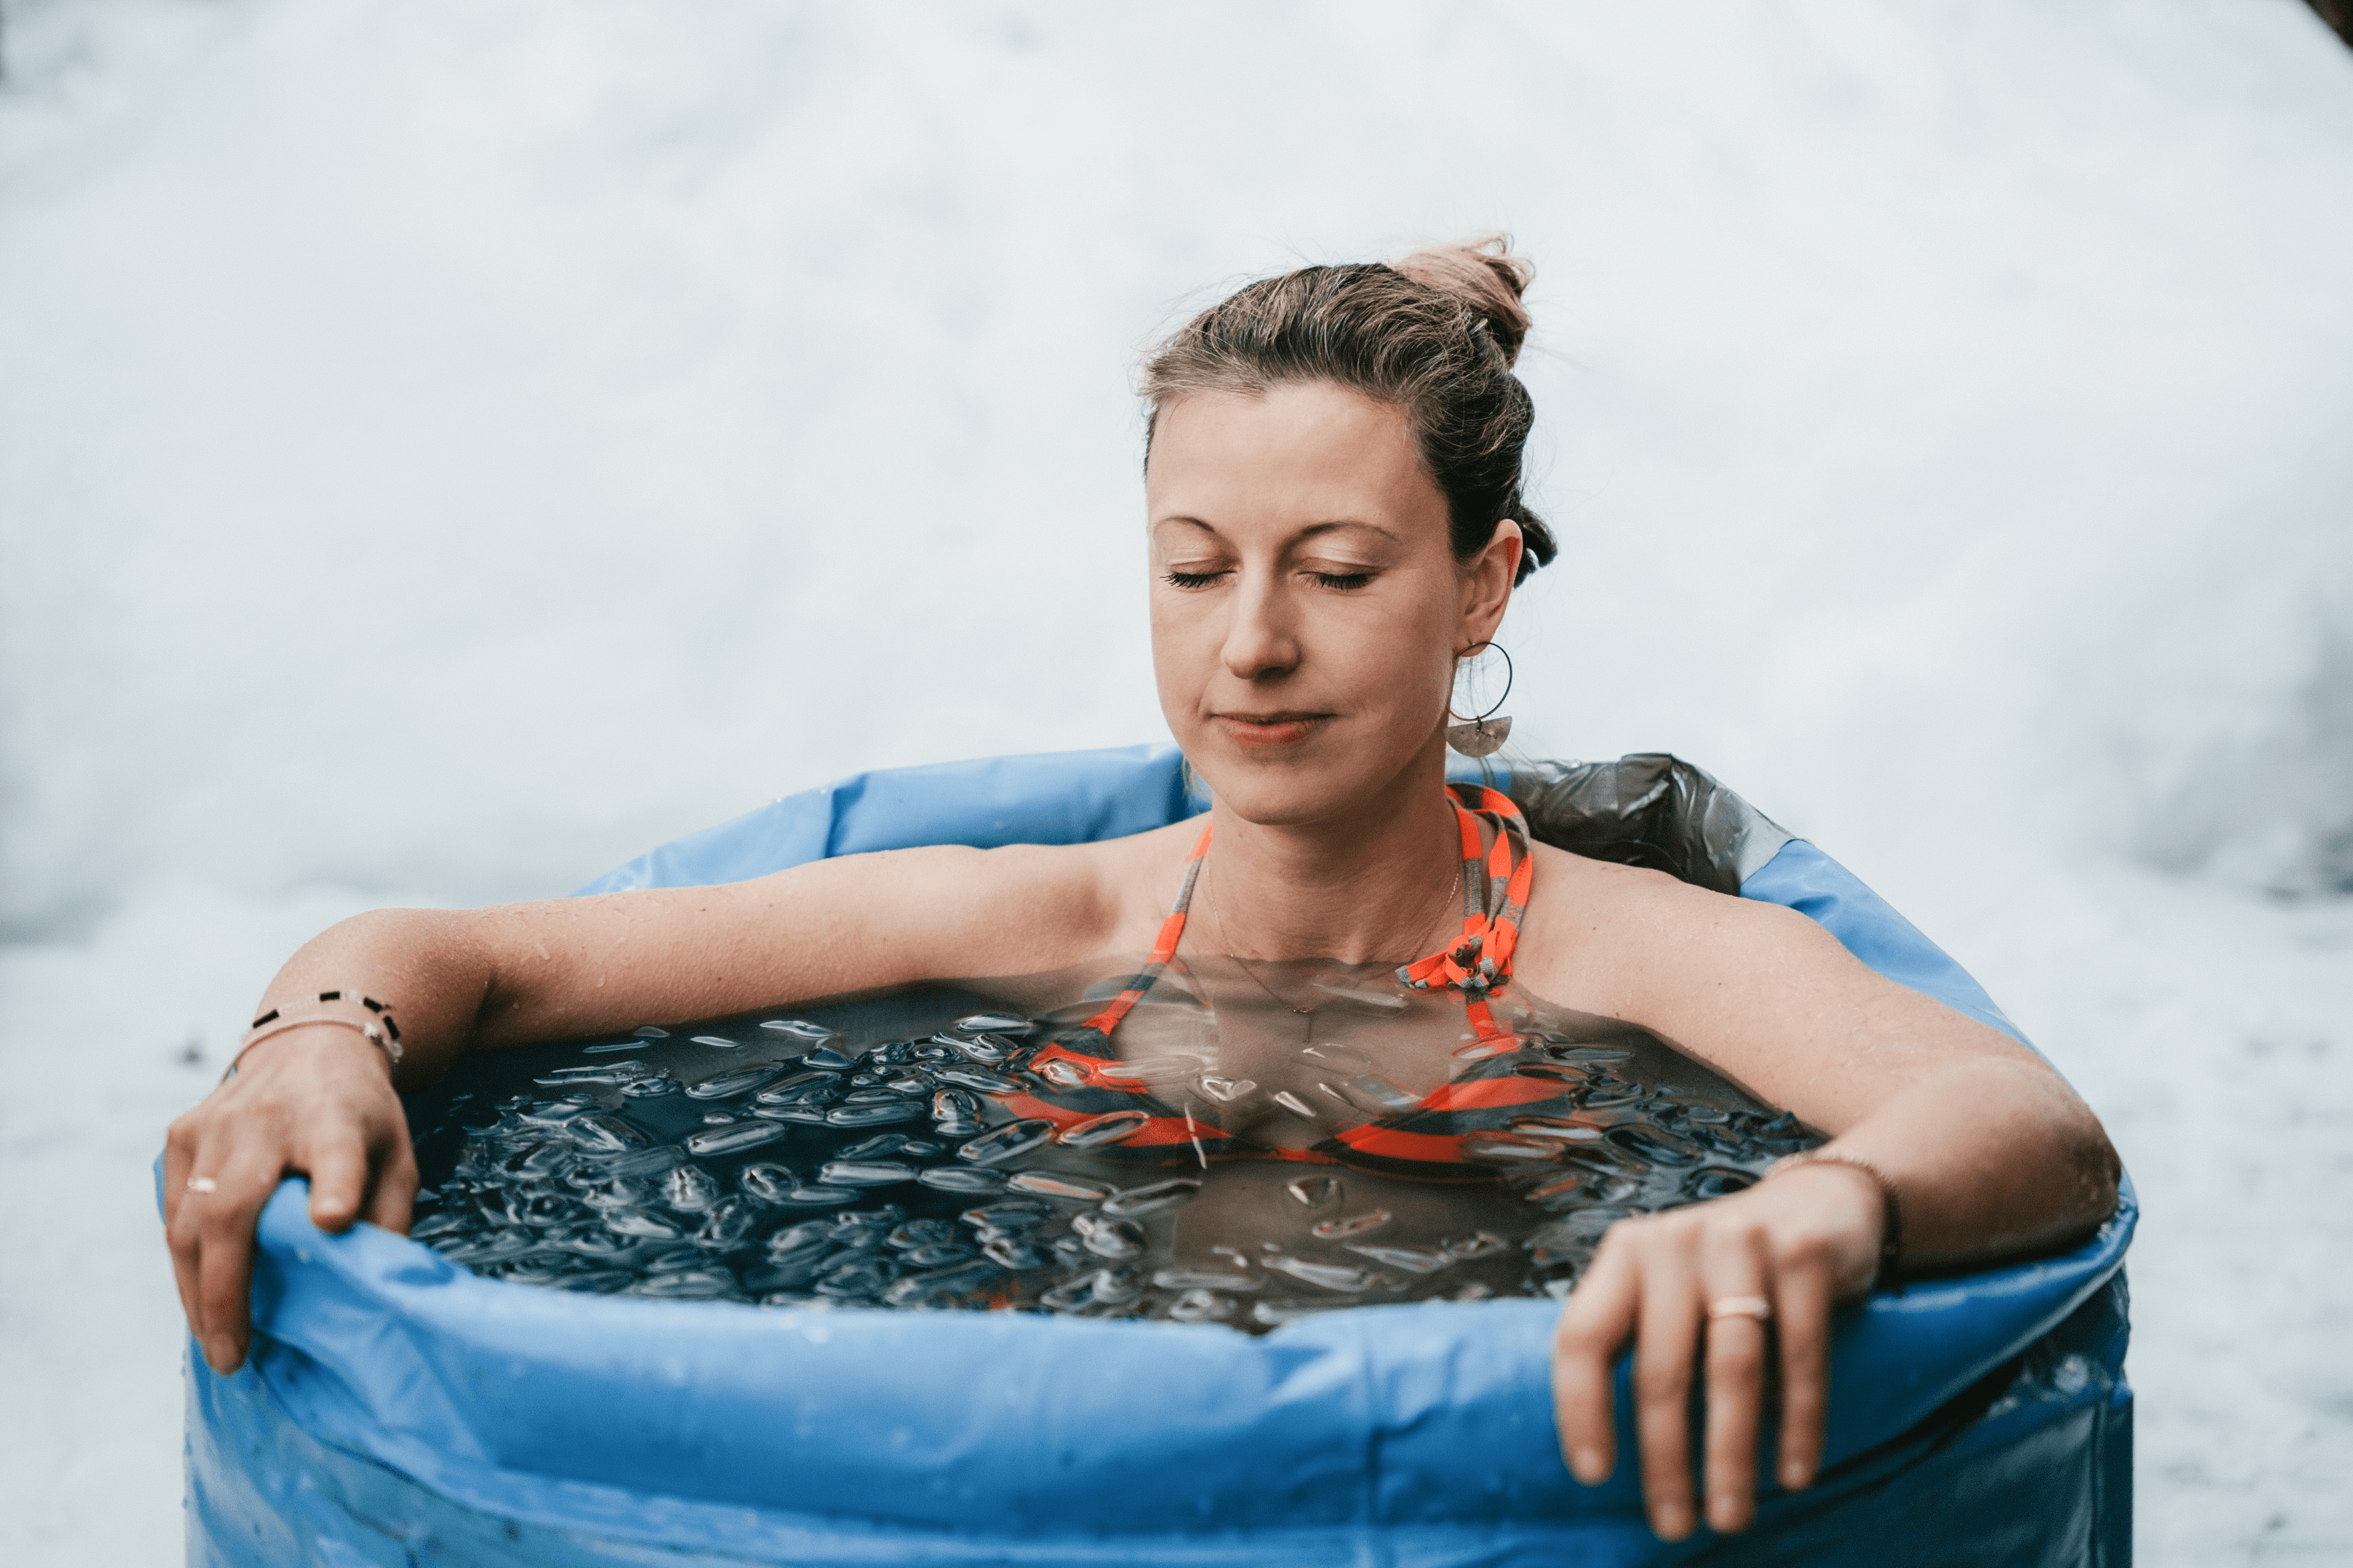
[(1497, 873)]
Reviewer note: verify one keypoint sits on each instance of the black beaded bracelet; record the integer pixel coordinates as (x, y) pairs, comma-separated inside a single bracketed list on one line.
[(380, 1030)]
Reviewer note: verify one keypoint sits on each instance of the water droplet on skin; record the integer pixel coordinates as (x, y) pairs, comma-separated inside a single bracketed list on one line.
[(1153, 1197), (1352, 1225), (1096, 1132), (1005, 1143), (732, 1139)]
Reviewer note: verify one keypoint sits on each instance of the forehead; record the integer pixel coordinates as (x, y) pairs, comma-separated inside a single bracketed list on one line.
[(1298, 454)]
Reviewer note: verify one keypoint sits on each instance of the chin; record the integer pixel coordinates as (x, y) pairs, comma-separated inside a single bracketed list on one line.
[(1291, 787)]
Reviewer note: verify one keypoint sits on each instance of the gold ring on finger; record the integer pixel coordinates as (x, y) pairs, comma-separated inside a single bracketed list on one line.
[(203, 1184), (1756, 1307)]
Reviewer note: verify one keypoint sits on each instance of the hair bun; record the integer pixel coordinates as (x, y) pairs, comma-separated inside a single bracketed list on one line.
[(1484, 275)]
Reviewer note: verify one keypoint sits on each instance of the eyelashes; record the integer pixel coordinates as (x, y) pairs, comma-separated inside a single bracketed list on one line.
[(1338, 582)]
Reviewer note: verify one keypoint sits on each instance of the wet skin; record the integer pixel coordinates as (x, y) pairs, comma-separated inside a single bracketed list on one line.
[(1306, 612)]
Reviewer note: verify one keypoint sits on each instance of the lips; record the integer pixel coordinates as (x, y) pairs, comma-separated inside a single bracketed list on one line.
[(1258, 731)]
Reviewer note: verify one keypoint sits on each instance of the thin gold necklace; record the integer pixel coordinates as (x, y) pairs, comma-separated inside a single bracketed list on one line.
[(1217, 909)]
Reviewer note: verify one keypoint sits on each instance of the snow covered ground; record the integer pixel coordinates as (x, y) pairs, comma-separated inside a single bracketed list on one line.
[(446, 448)]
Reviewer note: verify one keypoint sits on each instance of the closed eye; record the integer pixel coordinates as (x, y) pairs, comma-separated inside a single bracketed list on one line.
[(1190, 579), (1343, 582)]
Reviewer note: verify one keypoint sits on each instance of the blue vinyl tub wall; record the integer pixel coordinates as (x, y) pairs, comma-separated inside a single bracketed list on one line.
[(399, 1410)]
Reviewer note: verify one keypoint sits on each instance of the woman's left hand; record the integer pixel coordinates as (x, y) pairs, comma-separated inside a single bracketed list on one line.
[(1802, 1242)]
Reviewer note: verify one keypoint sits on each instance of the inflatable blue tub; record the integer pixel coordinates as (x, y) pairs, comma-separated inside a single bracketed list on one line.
[(398, 1410)]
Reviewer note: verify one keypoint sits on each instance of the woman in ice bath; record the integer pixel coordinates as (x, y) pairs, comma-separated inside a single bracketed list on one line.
[(1334, 521)]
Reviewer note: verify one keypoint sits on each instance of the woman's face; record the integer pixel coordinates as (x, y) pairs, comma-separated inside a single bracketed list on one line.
[(1306, 607)]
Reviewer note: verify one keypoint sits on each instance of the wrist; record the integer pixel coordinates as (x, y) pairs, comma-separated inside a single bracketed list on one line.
[(340, 1009), (1887, 1203)]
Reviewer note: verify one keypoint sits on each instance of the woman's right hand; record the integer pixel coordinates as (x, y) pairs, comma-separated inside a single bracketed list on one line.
[(316, 1102)]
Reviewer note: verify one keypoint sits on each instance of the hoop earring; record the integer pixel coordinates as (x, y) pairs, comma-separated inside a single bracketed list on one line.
[(1485, 735)]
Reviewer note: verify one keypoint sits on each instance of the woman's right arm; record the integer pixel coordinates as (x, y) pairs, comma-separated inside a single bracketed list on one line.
[(321, 1101)]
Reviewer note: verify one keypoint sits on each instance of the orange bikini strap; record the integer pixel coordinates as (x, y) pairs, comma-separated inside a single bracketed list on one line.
[(1172, 930)]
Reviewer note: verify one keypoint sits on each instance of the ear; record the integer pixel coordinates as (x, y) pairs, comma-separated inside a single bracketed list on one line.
[(1487, 583)]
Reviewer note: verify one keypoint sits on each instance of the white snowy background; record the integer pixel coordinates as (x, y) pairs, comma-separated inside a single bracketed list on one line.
[(446, 448)]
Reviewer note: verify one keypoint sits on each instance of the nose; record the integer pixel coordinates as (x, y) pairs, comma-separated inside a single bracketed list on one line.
[(1260, 642)]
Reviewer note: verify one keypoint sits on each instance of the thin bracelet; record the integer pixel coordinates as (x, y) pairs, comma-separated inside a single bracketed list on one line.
[(380, 1031), (1890, 1226)]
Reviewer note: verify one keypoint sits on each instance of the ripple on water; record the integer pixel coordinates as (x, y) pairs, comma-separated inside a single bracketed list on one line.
[(622, 1172)]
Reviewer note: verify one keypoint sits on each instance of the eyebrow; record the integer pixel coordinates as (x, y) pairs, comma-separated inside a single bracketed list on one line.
[(1310, 532)]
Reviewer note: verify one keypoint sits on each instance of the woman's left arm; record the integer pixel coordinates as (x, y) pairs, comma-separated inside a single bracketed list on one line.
[(1954, 1132)]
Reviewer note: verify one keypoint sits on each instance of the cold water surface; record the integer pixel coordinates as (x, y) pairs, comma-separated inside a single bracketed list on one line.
[(1253, 1145)]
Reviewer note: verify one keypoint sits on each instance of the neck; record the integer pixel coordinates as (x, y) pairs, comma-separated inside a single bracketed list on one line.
[(1376, 883)]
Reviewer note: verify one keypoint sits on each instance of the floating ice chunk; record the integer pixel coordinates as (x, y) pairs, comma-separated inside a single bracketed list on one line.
[(1478, 1243), (994, 1023), (690, 1189), (597, 1282), (648, 1032), (1325, 1276), (1200, 1307), (961, 1179), (767, 1182), (864, 1278), (881, 1114), (874, 1148), (939, 1255), (1108, 1128), (986, 1050), (798, 1029), (1016, 1253), (827, 1056), (1412, 1259), (729, 1224), (1052, 1184), (1109, 1237), (721, 1041), (1005, 1142), (643, 1222), (804, 1115), (1185, 1279), (607, 1134), (612, 1048), (649, 1088), (1556, 1127), (1012, 1214), (819, 1196), (594, 1072), (732, 1139), (1293, 1104), (1314, 1191), (1370, 1092), (865, 1173), (1509, 1148), (1351, 1225), (1660, 1148), (1152, 1197), (979, 1078), (1224, 1090), (717, 1118), (732, 1082)]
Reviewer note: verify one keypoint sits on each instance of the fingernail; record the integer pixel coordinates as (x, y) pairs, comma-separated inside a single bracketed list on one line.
[(1723, 1513), (1672, 1522), (1794, 1474), (1589, 1465), (221, 1354)]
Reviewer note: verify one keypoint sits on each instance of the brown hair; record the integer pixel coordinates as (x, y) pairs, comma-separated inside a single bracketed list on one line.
[(1436, 333)]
